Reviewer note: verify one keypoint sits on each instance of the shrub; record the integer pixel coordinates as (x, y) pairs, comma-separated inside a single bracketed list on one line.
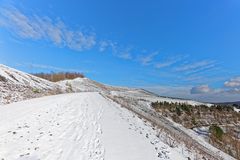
[(35, 90), (216, 131), (3, 78), (194, 122), (178, 111), (186, 108), (69, 86)]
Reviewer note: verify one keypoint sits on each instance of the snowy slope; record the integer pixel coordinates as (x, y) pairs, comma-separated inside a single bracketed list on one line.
[(80, 126), (88, 85), (16, 85), (21, 78)]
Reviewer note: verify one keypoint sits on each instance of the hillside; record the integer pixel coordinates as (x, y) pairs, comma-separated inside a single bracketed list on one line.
[(88, 85), (93, 122), (16, 85)]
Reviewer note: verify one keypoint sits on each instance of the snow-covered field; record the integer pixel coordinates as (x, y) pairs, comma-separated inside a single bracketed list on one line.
[(80, 126)]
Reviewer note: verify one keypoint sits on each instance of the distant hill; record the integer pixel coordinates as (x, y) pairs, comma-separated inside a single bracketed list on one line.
[(237, 103)]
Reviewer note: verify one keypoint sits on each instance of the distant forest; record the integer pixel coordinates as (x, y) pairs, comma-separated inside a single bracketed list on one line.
[(54, 77)]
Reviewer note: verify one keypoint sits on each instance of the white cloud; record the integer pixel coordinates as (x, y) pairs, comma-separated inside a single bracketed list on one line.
[(44, 28), (164, 64), (233, 85), (146, 60), (125, 54), (103, 45), (116, 50), (234, 82), (202, 89)]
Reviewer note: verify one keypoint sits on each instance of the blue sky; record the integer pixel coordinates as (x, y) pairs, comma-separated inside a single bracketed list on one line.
[(187, 49)]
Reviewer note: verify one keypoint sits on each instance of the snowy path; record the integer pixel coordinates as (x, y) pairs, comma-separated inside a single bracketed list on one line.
[(81, 126)]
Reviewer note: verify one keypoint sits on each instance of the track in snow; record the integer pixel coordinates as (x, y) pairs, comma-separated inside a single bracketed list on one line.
[(81, 126), (56, 128)]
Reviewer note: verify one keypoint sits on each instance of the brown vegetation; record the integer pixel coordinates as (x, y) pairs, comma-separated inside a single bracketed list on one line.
[(3, 78), (223, 122), (54, 77)]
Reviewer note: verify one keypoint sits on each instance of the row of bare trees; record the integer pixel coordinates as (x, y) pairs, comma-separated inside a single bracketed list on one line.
[(54, 77)]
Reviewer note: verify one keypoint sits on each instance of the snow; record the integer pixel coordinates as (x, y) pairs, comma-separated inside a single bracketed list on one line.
[(77, 126), (141, 94), (16, 85), (18, 77), (236, 109), (202, 131), (82, 85), (122, 122), (88, 85)]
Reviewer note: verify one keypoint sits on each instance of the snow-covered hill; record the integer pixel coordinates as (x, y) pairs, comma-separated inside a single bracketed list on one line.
[(98, 122), (88, 85), (16, 85)]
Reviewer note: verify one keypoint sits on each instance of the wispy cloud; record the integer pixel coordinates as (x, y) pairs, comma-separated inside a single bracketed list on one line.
[(125, 54), (49, 67), (147, 59), (164, 64), (104, 45), (195, 67), (115, 49), (203, 77), (169, 62), (44, 28)]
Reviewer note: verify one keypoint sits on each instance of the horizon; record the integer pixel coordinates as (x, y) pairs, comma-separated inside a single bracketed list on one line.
[(175, 49)]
